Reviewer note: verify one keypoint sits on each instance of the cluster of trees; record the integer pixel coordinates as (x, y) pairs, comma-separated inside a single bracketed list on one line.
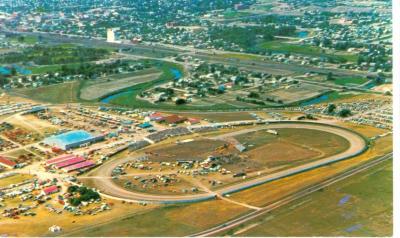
[(90, 70), (81, 194), (48, 55), (344, 112), (247, 37)]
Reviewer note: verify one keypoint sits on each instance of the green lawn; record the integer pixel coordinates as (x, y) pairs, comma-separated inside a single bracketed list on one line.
[(30, 40), (235, 14), (349, 80), (357, 206), (50, 68)]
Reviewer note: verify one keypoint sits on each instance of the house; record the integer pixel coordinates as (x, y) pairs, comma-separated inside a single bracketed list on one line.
[(50, 190), (7, 163)]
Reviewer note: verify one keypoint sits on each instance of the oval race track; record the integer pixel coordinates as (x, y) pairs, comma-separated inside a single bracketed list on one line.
[(102, 176)]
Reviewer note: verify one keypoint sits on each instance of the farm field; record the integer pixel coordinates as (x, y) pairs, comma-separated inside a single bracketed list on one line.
[(358, 206)]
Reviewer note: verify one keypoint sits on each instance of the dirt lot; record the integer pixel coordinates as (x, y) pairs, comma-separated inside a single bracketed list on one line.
[(296, 93), (178, 185), (195, 150)]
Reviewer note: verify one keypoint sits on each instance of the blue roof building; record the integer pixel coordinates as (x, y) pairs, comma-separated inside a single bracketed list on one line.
[(72, 139)]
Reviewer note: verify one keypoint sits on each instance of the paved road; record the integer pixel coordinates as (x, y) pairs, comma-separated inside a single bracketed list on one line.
[(110, 189), (215, 231)]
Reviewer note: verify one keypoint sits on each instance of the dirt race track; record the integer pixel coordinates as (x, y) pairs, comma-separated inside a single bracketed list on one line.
[(102, 176)]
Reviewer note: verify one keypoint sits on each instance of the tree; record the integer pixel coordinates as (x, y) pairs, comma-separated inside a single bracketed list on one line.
[(331, 108), (329, 76), (180, 101), (253, 95), (75, 202), (344, 112)]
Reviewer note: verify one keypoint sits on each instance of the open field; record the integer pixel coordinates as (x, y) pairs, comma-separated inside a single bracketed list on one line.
[(219, 116), (69, 223), (299, 92), (177, 220), (350, 80), (18, 178), (357, 206), (281, 153), (57, 93), (100, 88), (291, 146)]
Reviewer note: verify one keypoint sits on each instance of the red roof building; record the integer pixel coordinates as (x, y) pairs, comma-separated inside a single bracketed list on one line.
[(174, 119), (193, 121), (158, 117), (7, 163), (50, 190)]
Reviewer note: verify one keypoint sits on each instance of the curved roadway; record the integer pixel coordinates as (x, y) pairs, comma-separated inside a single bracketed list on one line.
[(108, 188)]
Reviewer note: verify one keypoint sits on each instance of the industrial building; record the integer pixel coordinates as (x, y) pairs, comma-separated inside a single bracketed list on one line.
[(72, 139)]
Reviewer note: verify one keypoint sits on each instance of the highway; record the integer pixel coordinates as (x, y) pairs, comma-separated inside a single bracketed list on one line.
[(215, 231), (162, 50), (101, 176)]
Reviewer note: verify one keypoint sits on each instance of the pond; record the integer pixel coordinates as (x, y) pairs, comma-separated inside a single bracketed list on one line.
[(315, 100), (302, 34), (7, 70)]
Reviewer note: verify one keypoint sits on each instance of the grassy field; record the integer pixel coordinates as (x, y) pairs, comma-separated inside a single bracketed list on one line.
[(358, 206), (350, 80), (30, 40), (57, 93), (178, 220), (50, 68), (312, 51), (240, 56)]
